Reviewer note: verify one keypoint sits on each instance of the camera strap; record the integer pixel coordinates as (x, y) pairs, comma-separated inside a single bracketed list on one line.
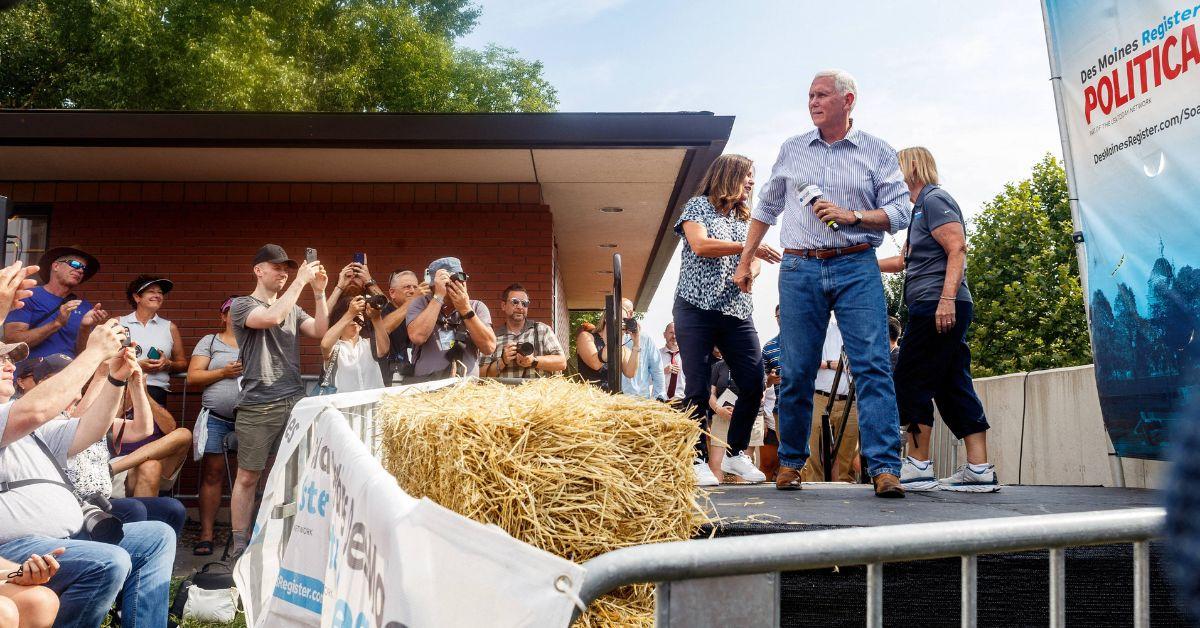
[(66, 482)]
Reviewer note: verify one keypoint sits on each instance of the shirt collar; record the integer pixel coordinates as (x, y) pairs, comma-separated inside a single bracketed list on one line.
[(132, 318), (929, 187), (853, 136)]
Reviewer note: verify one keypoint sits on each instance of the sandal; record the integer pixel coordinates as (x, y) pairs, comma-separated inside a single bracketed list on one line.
[(203, 548)]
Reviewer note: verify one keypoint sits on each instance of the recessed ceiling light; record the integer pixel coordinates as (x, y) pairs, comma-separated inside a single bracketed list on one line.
[(612, 210), (608, 245)]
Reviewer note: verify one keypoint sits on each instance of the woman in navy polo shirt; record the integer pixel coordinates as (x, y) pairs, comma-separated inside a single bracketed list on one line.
[(935, 360)]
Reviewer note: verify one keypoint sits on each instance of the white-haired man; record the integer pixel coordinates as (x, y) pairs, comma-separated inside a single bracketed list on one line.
[(838, 189)]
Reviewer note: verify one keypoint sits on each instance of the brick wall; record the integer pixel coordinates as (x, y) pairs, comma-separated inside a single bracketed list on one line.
[(203, 236)]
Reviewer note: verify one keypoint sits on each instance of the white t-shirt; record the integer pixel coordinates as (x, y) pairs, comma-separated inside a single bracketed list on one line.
[(832, 351), (41, 509), (356, 367)]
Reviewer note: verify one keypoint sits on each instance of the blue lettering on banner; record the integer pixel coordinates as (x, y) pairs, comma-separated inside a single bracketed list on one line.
[(299, 590)]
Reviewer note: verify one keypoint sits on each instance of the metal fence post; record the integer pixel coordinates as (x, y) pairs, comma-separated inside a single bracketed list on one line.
[(1058, 576), (970, 599), (875, 595), (1141, 584)]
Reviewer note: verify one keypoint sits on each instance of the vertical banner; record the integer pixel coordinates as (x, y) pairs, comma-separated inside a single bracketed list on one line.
[(1127, 80)]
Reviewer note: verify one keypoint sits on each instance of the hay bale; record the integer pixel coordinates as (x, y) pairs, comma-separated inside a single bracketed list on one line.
[(555, 463)]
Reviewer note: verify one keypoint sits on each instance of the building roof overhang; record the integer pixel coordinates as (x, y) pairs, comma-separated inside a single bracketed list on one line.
[(646, 164)]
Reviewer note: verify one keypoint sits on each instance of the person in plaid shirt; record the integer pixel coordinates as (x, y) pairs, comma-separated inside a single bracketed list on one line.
[(524, 348)]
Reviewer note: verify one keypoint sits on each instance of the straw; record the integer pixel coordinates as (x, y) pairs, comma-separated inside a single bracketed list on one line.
[(557, 464)]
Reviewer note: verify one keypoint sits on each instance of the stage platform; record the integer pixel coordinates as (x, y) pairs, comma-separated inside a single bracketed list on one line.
[(832, 505), (1012, 588)]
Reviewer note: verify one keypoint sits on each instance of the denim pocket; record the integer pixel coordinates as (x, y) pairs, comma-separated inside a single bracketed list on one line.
[(790, 262)]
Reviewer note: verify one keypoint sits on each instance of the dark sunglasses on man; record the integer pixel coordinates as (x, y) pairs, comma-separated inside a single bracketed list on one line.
[(74, 263), (516, 301)]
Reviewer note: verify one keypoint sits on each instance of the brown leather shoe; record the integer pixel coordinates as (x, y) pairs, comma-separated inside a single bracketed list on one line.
[(888, 485), (788, 479)]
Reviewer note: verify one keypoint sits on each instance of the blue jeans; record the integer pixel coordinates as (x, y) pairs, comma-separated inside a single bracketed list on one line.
[(700, 330), (165, 509), (91, 574), (849, 285)]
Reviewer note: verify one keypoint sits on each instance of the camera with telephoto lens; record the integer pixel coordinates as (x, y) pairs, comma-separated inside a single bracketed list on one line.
[(525, 349), (377, 301), (630, 325), (98, 520)]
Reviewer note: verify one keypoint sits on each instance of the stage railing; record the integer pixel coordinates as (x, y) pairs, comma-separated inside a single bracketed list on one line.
[(717, 581)]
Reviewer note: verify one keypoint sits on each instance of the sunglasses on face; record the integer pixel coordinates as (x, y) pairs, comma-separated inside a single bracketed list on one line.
[(74, 263), (516, 301)]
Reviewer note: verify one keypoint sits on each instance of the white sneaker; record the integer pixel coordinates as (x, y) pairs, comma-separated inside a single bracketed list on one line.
[(742, 466), (967, 480), (704, 475), (915, 476)]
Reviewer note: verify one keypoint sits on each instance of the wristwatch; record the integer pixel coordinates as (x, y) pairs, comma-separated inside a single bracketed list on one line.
[(468, 316), (858, 218), (534, 365)]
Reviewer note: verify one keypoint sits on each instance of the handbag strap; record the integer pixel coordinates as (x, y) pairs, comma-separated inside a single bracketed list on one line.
[(331, 366)]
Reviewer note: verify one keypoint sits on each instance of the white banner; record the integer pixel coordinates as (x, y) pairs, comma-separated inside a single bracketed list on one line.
[(364, 554)]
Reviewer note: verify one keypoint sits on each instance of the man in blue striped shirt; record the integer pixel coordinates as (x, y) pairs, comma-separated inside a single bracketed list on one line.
[(837, 189)]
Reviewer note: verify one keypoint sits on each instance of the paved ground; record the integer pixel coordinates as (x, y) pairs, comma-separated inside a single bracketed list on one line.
[(833, 505)]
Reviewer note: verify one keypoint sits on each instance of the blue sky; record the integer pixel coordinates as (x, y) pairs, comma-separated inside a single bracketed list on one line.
[(968, 80)]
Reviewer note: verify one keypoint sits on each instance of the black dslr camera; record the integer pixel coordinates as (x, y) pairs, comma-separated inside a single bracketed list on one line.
[(377, 301), (630, 325), (460, 277), (98, 520), (525, 349)]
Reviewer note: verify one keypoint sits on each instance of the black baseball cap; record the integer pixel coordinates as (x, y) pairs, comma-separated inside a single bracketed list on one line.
[(46, 366), (274, 254)]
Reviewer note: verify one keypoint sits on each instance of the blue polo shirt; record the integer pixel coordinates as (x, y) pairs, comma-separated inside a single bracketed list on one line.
[(43, 305)]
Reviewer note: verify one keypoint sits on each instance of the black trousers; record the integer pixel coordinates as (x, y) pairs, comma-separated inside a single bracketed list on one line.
[(936, 368), (698, 330)]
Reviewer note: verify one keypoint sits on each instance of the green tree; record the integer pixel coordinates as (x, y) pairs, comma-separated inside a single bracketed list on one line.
[(1024, 277), (268, 55)]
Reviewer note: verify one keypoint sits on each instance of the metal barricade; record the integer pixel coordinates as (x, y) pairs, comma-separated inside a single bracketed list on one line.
[(697, 580)]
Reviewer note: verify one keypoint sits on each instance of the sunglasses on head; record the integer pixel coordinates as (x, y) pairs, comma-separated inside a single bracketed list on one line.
[(516, 301), (74, 263)]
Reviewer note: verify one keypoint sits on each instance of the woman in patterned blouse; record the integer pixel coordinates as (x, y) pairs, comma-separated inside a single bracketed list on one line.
[(710, 311)]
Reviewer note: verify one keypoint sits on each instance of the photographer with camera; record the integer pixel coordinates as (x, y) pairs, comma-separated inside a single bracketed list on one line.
[(403, 287), (647, 380), (348, 356), (524, 349), (448, 328), (268, 325), (38, 512), (54, 319)]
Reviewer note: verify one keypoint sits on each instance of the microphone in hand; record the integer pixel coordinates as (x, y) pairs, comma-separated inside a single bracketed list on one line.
[(811, 193)]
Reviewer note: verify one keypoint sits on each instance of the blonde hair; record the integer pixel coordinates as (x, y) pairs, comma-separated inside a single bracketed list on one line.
[(724, 184), (917, 165)]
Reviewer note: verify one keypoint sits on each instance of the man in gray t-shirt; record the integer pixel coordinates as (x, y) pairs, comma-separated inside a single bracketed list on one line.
[(39, 515), (448, 328), (268, 325)]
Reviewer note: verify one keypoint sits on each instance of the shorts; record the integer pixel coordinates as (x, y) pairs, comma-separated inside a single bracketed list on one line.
[(719, 430), (259, 428), (217, 429)]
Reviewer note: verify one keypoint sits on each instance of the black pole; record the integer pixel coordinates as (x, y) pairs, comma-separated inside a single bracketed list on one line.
[(614, 328), (4, 205)]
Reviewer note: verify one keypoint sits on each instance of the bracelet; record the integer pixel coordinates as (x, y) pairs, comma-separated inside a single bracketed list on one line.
[(947, 298), (116, 382), (439, 298), (370, 283)]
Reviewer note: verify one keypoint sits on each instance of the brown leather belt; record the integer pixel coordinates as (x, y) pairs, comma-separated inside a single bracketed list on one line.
[(828, 253)]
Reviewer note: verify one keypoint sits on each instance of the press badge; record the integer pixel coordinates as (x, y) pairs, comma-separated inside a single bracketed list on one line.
[(445, 339)]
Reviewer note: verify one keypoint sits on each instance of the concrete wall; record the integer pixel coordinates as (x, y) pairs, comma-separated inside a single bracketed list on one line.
[(1047, 429)]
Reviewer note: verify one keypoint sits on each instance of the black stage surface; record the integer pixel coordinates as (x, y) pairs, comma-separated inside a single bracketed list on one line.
[(1012, 588)]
